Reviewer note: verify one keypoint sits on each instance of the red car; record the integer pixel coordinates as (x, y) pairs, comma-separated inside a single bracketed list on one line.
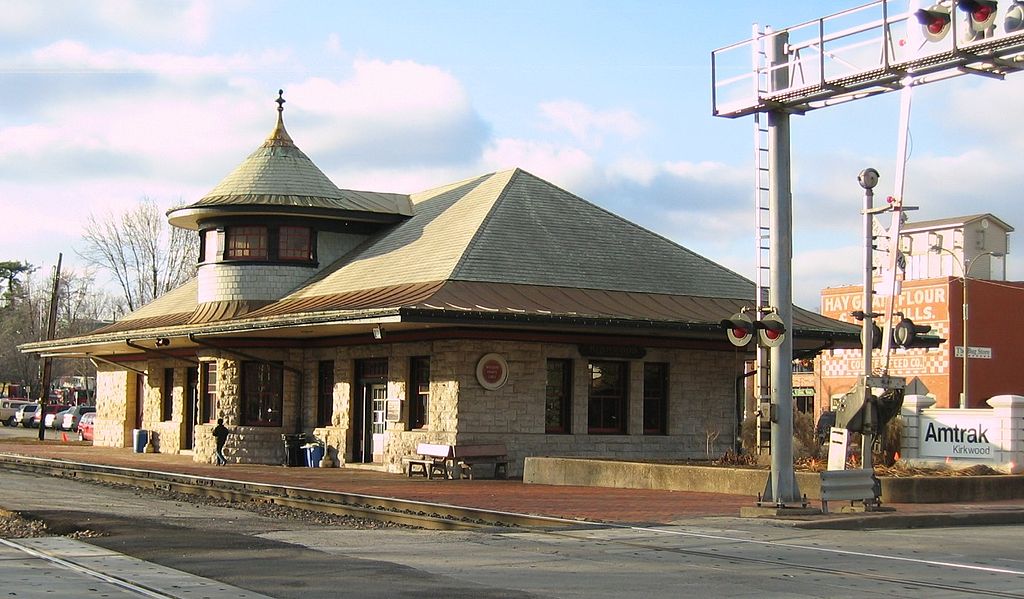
[(85, 426)]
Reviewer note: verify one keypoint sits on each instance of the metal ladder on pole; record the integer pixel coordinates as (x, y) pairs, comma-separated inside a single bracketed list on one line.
[(762, 220)]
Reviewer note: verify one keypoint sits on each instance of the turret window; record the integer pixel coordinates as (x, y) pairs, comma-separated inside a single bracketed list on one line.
[(253, 243), (294, 244), (246, 243)]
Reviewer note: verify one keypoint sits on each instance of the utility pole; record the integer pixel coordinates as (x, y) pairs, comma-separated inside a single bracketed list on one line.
[(51, 328)]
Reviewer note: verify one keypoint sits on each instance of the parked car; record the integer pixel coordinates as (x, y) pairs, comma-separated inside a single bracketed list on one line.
[(68, 419), (24, 414), (9, 408), (49, 411), (85, 426)]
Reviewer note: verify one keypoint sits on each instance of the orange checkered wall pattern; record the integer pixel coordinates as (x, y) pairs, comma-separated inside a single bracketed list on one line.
[(925, 302)]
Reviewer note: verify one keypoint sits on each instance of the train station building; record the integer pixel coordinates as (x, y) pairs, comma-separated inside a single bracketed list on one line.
[(497, 309)]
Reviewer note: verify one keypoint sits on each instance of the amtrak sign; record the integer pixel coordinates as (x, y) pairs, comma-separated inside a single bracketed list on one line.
[(967, 437)]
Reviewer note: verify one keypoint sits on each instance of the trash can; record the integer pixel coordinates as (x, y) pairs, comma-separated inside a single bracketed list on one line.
[(293, 449), (314, 453), (140, 438)]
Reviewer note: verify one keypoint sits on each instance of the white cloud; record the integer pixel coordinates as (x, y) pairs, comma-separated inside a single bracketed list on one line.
[(70, 56), (567, 167), (399, 112), (182, 21), (23, 15), (333, 45), (590, 126), (187, 21)]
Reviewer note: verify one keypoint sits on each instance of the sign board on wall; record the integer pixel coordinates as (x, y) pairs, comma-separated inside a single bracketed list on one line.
[(492, 372), (974, 352), (965, 437), (393, 410)]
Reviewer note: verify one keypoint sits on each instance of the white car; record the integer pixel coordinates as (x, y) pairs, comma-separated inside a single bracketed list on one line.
[(68, 419), (8, 409)]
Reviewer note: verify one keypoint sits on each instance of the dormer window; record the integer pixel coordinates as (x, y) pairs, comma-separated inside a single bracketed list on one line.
[(246, 243)]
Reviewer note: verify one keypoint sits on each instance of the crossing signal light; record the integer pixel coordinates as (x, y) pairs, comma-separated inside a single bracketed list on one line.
[(1014, 20), (877, 406), (934, 21), (908, 335), (981, 14), (771, 331), (739, 328)]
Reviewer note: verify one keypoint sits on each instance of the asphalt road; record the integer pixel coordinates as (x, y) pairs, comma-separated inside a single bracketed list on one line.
[(720, 557)]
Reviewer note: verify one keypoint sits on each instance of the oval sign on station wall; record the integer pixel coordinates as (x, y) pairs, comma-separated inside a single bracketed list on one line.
[(492, 371)]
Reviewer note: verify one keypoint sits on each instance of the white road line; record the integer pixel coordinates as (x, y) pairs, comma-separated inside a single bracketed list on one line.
[(882, 556)]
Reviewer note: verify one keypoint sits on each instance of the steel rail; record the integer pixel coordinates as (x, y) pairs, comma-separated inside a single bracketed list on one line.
[(422, 514)]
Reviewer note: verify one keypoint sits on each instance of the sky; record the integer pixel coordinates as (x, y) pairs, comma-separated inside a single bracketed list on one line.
[(106, 102)]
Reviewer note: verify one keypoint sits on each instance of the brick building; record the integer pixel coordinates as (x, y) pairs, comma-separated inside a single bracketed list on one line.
[(937, 253), (495, 309)]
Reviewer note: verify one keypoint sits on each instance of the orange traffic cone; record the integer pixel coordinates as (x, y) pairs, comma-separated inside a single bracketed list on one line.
[(64, 437)]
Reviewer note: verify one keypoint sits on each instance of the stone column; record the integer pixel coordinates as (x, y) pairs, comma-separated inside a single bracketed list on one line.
[(1009, 411)]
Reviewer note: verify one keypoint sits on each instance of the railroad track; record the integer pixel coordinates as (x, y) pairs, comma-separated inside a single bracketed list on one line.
[(423, 514), (447, 517)]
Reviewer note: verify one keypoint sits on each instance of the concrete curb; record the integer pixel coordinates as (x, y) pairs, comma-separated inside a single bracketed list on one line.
[(748, 481)]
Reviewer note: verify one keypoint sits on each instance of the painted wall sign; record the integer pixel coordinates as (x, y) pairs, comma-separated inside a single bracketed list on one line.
[(968, 437), (393, 410), (925, 304), (492, 371)]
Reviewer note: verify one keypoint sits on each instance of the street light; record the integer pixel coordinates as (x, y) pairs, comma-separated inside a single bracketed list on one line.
[(966, 272)]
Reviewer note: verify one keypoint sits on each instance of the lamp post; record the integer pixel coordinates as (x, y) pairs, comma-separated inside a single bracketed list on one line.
[(966, 271)]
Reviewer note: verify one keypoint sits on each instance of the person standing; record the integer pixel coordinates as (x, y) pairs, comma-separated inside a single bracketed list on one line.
[(220, 433)]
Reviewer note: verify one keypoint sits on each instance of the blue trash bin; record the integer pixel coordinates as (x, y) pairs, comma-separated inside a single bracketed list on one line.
[(314, 453), (140, 438)]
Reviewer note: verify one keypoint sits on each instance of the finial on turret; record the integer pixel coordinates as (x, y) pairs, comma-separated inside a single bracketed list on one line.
[(280, 100)]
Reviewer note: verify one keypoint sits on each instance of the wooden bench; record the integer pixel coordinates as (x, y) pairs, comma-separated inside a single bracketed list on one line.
[(433, 459), (468, 457)]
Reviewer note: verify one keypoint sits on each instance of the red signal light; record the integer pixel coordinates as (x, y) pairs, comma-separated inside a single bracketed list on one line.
[(934, 21), (981, 14)]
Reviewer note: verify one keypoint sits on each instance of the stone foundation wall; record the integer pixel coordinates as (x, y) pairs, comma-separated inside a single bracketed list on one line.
[(253, 444)]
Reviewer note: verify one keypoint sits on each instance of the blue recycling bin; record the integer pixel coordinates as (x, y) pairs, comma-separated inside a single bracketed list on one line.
[(314, 453), (140, 438)]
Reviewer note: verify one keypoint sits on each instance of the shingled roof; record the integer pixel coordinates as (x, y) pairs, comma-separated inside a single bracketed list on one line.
[(504, 248), (278, 176)]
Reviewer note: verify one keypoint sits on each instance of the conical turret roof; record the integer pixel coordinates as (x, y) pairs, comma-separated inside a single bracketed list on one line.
[(278, 177)]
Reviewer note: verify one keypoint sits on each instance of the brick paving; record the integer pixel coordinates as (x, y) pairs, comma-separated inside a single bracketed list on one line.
[(590, 503)]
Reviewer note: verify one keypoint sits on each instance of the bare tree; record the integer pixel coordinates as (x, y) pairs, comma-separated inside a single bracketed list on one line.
[(145, 254), (81, 307), (20, 322)]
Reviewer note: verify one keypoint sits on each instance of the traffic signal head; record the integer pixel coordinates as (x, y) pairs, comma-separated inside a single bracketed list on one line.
[(739, 328), (771, 331), (908, 335), (876, 336), (980, 13), (934, 21)]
